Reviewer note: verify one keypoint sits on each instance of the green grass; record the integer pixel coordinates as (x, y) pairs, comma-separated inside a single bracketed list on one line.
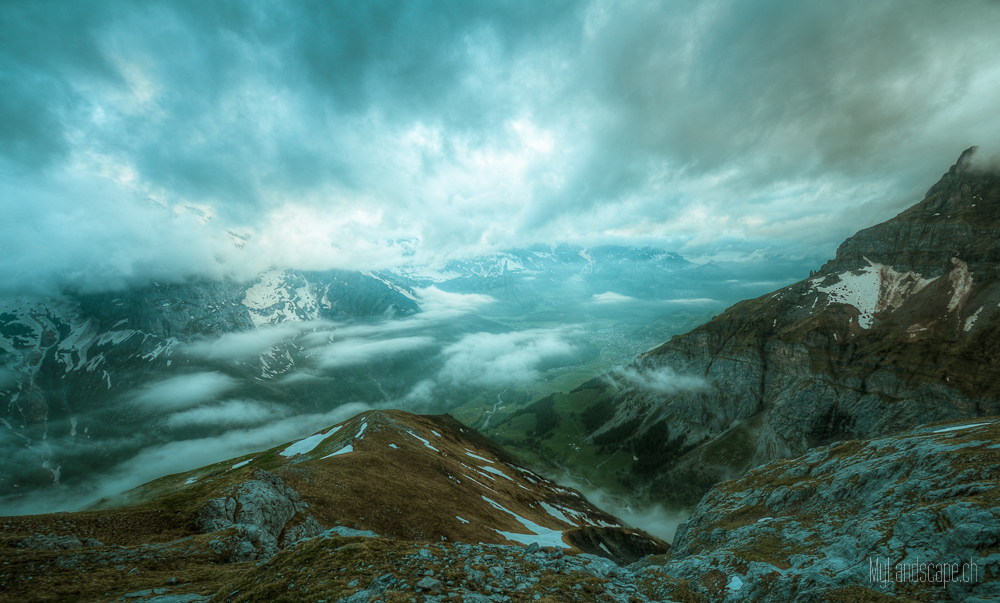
[(564, 449)]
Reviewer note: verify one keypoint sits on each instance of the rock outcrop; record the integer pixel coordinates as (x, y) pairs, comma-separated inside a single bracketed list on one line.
[(900, 329), (857, 515), (266, 514), (55, 542)]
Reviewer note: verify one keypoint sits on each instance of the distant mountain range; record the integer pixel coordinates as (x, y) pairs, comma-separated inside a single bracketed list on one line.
[(73, 369)]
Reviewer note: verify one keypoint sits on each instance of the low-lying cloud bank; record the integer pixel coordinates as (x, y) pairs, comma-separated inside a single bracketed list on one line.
[(655, 519), (660, 380), (225, 415), (179, 456), (496, 359), (184, 391), (610, 297), (340, 354)]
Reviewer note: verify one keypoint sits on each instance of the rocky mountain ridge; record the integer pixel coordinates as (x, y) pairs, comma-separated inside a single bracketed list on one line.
[(410, 480), (368, 473), (900, 329)]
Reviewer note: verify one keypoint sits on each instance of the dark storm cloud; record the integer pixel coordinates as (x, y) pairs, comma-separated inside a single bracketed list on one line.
[(135, 136)]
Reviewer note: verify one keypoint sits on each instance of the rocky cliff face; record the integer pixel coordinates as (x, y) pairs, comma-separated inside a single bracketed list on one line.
[(898, 330)]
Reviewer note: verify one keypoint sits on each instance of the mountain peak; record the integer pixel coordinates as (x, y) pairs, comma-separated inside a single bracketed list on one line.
[(956, 218), (956, 174)]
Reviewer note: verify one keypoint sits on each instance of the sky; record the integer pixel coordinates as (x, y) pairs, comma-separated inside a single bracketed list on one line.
[(169, 140)]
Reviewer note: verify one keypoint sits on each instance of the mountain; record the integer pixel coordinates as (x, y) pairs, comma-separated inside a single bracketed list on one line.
[(416, 483), (540, 275), (898, 330), (71, 368), (82, 374)]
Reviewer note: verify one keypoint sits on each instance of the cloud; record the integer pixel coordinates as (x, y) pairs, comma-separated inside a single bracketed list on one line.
[(352, 351), (233, 346), (225, 415), (661, 380), (140, 142), (184, 391), (492, 359), (179, 456), (691, 301), (656, 519), (436, 304), (610, 297)]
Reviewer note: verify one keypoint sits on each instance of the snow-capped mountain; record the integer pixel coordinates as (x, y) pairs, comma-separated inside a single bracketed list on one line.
[(71, 368), (534, 273)]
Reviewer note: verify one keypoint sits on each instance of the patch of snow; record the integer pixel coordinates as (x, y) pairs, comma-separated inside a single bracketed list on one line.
[(541, 535), (583, 520), (497, 472), (190, 480), (961, 283), (362, 430), (764, 519), (159, 349), (426, 443), (956, 428), (116, 337), (476, 456), (436, 433), (345, 450), (858, 290), (462, 520), (479, 482), (489, 477), (554, 512), (873, 289), (735, 583), (393, 446), (971, 321), (391, 285), (307, 445), (242, 464), (274, 299)]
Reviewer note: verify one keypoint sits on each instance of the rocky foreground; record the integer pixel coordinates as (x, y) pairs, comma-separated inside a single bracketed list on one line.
[(398, 482), (910, 517), (835, 519)]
